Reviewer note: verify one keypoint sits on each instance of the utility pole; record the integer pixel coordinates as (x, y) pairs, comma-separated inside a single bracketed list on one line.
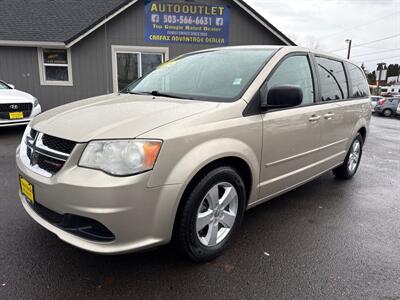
[(348, 41)]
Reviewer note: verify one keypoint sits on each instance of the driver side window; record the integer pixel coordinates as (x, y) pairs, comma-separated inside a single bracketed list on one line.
[(294, 70)]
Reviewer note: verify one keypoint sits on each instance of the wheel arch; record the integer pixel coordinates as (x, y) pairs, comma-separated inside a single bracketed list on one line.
[(363, 132), (360, 127), (237, 163)]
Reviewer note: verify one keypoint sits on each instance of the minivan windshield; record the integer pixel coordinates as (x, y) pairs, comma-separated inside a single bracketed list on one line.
[(215, 75)]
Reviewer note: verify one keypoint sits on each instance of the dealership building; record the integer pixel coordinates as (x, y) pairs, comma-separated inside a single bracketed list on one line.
[(65, 50)]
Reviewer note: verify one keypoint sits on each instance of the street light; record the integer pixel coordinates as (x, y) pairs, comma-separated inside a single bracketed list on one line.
[(349, 49)]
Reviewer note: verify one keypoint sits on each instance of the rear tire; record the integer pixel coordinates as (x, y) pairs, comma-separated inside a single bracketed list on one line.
[(387, 112), (205, 225), (350, 165)]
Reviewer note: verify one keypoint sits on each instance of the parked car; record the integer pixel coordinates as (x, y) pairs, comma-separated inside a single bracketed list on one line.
[(398, 110), (390, 91), (186, 149), (387, 106), (374, 101), (16, 107)]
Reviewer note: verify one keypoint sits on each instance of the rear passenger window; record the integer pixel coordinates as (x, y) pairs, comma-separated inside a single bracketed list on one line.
[(332, 79), (359, 85), (295, 70)]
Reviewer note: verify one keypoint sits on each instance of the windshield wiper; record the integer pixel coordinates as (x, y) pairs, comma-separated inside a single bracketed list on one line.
[(138, 93), (161, 94), (157, 94)]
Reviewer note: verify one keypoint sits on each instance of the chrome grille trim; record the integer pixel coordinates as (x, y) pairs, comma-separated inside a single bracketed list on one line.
[(45, 153), (40, 146), (34, 145), (26, 161)]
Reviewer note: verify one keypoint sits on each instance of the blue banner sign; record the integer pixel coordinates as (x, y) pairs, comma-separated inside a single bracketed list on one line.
[(187, 23)]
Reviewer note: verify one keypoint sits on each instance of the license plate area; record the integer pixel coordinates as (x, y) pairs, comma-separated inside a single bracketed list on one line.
[(27, 190), (15, 115)]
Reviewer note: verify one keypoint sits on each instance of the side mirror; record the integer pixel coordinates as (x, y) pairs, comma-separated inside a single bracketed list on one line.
[(281, 96), (11, 86)]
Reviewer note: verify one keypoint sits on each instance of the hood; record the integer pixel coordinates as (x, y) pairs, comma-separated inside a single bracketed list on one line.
[(115, 116), (15, 96)]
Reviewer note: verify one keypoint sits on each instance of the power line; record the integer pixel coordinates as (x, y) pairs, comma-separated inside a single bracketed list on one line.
[(379, 19), (376, 52), (379, 59), (368, 43), (378, 48)]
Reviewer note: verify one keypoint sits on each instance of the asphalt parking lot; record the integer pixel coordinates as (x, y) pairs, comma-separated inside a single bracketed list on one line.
[(329, 239)]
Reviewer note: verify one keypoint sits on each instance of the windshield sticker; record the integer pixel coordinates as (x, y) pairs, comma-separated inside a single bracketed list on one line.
[(237, 81)]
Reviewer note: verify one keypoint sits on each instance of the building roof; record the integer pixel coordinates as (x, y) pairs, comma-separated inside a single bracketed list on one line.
[(65, 22)]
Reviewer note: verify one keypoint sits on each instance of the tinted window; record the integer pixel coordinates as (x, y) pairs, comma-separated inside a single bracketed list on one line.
[(332, 79), (295, 70), (358, 82)]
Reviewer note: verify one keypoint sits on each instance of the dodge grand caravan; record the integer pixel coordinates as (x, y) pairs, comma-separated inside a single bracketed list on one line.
[(182, 152)]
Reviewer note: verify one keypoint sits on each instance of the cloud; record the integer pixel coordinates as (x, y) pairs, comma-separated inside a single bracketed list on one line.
[(326, 24)]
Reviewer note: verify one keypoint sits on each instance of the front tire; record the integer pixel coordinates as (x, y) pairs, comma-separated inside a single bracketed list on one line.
[(212, 212), (350, 165)]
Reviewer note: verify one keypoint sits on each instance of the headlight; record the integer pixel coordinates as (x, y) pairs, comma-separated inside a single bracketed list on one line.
[(121, 157), (35, 102)]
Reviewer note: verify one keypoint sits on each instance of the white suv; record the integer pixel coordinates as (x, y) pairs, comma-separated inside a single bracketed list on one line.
[(16, 107)]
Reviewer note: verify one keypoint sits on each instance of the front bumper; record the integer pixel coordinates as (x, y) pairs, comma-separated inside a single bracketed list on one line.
[(139, 217), (7, 123)]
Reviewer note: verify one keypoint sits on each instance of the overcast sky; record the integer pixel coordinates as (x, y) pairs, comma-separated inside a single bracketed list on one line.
[(326, 24)]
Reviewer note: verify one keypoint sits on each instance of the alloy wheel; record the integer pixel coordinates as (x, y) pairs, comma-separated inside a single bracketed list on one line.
[(217, 213), (354, 156)]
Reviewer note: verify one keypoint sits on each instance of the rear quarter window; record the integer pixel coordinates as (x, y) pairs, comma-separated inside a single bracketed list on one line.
[(332, 79), (358, 82)]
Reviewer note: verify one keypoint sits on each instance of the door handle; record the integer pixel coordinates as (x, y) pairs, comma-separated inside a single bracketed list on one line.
[(314, 118), (329, 116)]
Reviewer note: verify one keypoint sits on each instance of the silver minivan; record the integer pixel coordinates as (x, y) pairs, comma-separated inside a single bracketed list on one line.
[(182, 152)]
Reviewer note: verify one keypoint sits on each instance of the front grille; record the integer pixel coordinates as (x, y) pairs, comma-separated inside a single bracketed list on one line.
[(81, 226), (58, 144), (47, 152), (6, 108)]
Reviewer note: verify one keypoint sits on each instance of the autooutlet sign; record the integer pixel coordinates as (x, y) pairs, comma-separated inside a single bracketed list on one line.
[(186, 23)]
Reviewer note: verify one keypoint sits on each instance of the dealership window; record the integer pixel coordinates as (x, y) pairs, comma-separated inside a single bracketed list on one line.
[(130, 63), (333, 79), (55, 66)]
